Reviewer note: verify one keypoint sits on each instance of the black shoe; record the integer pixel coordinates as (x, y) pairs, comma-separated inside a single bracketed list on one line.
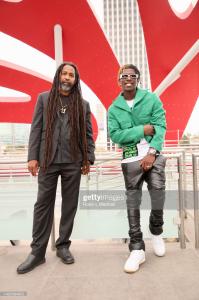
[(65, 255), (30, 263)]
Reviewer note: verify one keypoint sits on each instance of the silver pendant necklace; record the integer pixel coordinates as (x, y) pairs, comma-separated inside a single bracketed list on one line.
[(63, 107)]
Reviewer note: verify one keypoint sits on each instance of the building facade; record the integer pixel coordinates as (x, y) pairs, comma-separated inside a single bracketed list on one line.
[(123, 28)]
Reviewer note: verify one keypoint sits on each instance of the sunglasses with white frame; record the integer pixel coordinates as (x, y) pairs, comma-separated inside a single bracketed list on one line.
[(129, 76)]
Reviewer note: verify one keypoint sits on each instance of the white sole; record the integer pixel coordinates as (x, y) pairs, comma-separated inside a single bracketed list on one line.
[(158, 254), (133, 271)]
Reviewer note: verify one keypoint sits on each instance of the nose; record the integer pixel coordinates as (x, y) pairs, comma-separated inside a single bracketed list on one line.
[(128, 79), (67, 77)]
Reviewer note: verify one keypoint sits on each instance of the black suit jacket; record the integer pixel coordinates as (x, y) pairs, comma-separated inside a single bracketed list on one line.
[(38, 128)]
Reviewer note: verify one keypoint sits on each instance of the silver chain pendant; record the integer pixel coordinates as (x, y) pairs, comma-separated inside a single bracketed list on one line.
[(63, 110)]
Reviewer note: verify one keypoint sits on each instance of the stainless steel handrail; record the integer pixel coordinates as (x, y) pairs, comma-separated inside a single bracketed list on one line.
[(196, 205), (181, 203)]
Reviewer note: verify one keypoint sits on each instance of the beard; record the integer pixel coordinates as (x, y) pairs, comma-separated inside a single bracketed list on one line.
[(66, 87)]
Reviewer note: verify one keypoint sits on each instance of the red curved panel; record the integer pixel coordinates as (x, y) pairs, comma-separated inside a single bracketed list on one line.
[(168, 38), (83, 40)]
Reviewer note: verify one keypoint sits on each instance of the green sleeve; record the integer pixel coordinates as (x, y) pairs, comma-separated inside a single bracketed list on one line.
[(158, 120), (123, 136)]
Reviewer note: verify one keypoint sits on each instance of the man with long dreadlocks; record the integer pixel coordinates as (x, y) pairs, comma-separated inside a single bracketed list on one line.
[(60, 143)]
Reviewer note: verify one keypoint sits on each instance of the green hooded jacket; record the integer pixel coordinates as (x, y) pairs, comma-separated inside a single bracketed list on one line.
[(126, 125)]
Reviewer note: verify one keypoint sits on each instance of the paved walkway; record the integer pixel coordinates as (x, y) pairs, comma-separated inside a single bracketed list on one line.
[(98, 274)]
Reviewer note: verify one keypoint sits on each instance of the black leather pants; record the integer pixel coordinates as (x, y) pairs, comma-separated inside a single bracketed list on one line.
[(135, 234), (134, 177)]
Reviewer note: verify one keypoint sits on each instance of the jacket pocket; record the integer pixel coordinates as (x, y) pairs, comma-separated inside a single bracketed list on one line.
[(125, 125), (142, 117)]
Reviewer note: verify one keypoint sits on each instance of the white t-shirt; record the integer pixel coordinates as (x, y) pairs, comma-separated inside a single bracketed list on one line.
[(142, 146)]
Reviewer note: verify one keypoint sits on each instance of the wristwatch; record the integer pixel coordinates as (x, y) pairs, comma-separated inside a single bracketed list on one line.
[(152, 151)]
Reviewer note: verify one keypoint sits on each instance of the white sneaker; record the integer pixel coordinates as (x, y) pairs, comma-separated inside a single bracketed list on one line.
[(158, 245), (134, 260)]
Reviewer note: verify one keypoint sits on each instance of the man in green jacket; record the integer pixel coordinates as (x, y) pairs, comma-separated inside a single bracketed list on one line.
[(136, 121)]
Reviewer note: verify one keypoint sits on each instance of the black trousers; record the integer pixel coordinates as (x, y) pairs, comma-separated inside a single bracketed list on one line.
[(44, 207), (134, 177)]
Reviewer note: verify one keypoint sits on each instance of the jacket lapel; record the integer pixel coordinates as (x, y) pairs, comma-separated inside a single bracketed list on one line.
[(121, 102), (139, 95)]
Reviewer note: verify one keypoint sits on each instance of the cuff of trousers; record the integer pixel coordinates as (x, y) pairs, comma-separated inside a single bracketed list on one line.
[(155, 230), (137, 246)]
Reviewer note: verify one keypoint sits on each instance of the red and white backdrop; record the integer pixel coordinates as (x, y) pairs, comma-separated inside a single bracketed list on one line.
[(27, 62), (169, 34)]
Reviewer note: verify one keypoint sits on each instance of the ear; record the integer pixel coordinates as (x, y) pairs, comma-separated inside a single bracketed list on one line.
[(119, 82)]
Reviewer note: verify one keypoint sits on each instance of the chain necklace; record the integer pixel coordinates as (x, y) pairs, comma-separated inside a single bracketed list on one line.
[(63, 107)]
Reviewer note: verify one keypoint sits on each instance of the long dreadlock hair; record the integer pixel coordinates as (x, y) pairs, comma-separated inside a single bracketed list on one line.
[(76, 118)]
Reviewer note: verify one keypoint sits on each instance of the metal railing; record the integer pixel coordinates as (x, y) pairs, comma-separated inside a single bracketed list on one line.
[(196, 206), (11, 170), (180, 163)]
